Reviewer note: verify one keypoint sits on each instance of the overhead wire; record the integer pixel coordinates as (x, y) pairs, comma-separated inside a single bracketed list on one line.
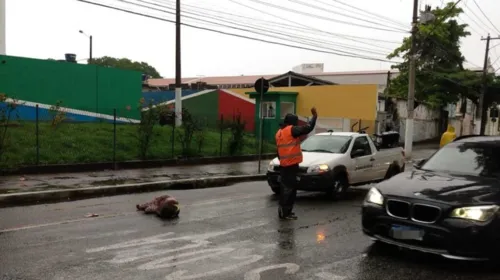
[(475, 22), (309, 4), (327, 18), (484, 14), (303, 40), (297, 25), (267, 25), (482, 25), (371, 13), (356, 39), (231, 34)]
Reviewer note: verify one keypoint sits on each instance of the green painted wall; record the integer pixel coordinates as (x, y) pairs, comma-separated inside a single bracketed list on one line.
[(271, 126), (78, 86), (118, 89), (204, 107)]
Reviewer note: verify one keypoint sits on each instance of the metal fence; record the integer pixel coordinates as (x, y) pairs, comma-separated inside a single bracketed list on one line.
[(46, 136)]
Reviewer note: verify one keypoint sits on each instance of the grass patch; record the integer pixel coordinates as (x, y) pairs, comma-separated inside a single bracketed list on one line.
[(70, 143)]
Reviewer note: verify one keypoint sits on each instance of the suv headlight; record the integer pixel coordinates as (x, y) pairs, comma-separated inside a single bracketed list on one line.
[(318, 168), (374, 196), (475, 213)]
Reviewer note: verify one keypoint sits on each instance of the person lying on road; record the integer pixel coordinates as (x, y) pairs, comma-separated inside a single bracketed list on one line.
[(165, 206)]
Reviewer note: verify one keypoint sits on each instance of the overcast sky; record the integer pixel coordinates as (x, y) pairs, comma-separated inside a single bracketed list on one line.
[(49, 28)]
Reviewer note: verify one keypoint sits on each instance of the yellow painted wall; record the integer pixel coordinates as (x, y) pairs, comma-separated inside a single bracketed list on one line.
[(340, 101)]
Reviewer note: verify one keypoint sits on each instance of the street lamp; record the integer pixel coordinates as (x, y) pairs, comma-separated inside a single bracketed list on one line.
[(90, 38)]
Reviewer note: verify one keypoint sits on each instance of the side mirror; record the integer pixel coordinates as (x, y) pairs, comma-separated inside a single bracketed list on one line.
[(357, 153), (419, 163)]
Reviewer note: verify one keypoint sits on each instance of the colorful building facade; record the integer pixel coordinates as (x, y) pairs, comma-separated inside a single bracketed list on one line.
[(340, 107)]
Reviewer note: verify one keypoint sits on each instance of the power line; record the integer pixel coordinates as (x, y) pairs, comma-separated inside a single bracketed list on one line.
[(343, 36), (297, 25), (326, 18), (495, 46), (474, 21), (371, 13), (267, 23), (252, 30), (487, 18), (309, 4), (477, 17), (470, 26), (228, 33), (495, 61)]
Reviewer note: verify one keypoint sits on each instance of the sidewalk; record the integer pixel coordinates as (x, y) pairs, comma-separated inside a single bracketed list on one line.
[(31, 183)]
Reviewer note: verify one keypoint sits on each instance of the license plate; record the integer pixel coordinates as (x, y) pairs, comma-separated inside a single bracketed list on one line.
[(406, 233)]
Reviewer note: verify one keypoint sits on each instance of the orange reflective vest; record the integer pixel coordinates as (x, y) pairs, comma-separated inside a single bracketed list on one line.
[(288, 147)]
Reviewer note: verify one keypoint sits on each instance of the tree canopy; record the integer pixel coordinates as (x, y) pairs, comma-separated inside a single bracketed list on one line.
[(440, 75), (126, 64)]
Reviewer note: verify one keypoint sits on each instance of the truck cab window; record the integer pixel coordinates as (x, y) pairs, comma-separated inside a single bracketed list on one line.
[(361, 143)]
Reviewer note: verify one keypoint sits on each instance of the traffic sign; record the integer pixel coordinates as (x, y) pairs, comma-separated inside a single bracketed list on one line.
[(261, 85)]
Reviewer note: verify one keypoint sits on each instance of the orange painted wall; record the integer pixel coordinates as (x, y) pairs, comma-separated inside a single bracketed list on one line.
[(341, 101)]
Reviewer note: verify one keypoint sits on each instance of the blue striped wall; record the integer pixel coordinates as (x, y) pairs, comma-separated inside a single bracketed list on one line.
[(164, 96), (28, 113)]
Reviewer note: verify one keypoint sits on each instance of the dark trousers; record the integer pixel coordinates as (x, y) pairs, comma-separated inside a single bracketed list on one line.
[(288, 189)]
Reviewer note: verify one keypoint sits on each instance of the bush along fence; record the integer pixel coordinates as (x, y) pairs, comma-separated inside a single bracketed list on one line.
[(39, 136)]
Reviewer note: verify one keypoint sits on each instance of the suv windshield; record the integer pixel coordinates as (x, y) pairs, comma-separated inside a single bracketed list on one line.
[(473, 159), (326, 144)]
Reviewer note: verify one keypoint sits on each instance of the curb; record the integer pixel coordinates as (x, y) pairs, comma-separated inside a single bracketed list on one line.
[(52, 196), (133, 164)]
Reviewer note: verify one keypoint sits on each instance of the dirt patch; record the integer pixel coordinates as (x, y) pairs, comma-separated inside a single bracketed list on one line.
[(64, 178), (235, 173)]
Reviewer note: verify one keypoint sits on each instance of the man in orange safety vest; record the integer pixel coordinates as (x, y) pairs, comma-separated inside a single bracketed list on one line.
[(290, 155)]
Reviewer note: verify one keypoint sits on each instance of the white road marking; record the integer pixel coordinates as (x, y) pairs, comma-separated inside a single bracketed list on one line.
[(254, 274), (159, 238), (148, 252), (132, 243), (199, 255), (179, 275)]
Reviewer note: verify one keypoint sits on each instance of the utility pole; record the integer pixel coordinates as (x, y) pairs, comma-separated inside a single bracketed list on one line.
[(411, 83), (90, 54), (178, 80), (483, 109), (3, 28)]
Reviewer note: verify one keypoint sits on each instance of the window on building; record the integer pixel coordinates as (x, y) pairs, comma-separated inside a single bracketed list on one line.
[(269, 110)]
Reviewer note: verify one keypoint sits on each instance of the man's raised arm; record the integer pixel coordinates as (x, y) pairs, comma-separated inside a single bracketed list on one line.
[(300, 130)]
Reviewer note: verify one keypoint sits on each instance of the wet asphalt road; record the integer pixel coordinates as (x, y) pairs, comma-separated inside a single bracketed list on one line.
[(225, 233)]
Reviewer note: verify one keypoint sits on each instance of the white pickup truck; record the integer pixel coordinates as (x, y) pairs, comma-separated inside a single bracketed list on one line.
[(333, 161)]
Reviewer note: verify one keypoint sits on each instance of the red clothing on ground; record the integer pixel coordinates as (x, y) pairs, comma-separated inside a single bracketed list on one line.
[(155, 205)]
